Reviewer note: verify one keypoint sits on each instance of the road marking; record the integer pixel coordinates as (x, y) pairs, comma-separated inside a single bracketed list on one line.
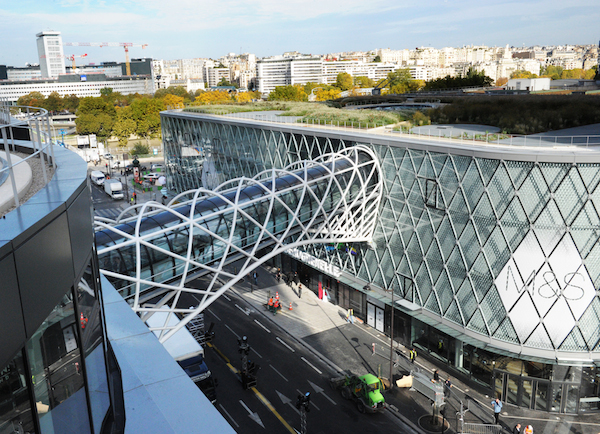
[(256, 352), (223, 356), (252, 414), (234, 333), (311, 403), (267, 404), (266, 329), (286, 345), (228, 415), (287, 401), (227, 298), (311, 365), (243, 310), (213, 314), (320, 390), (280, 374)]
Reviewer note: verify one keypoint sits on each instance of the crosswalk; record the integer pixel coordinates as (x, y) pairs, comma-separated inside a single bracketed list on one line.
[(110, 213)]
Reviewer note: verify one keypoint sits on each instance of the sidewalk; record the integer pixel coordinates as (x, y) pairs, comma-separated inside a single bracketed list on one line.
[(322, 328)]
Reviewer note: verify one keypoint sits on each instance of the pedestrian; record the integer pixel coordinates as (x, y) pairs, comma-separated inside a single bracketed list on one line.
[(276, 306), (131, 200), (447, 387), (528, 429), (255, 276), (270, 304), (497, 406), (134, 198), (517, 429), (436, 377), (413, 355), (299, 290)]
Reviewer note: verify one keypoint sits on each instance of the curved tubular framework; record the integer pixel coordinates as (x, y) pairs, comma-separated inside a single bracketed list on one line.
[(333, 199)]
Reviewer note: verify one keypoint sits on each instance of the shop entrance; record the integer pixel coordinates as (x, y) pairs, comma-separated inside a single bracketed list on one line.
[(535, 393)]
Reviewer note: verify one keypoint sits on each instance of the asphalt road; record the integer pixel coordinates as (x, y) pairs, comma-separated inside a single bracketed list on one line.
[(287, 369)]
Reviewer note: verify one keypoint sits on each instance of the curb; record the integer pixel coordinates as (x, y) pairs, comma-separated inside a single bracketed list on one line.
[(329, 364)]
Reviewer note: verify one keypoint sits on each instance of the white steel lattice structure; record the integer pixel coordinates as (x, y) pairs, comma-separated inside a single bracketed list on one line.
[(332, 199)]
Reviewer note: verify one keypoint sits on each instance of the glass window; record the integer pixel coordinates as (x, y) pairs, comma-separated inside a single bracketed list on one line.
[(15, 407), (55, 365), (526, 397), (541, 396), (90, 324)]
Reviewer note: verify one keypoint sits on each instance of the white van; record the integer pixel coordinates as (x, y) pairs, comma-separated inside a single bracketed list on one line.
[(97, 177)]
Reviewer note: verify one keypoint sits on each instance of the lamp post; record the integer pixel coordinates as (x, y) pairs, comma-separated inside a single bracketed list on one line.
[(392, 341)]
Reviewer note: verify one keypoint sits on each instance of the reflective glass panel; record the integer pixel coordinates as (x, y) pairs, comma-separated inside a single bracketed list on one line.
[(541, 396), (15, 407), (526, 397), (90, 323), (55, 365)]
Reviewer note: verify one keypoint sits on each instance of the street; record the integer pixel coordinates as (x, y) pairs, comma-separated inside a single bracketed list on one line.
[(287, 369)]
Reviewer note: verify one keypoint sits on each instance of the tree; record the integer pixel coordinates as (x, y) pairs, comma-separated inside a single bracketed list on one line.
[(213, 97), (125, 126), (173, 101), (362, 81), (522, 74), (146, 114), (225, 82), (399, 81), (70, 103), (54, 103), (327, 94), (344, 81), (553, 72), (501, 81), (377, 59), (32, 99), (288, 93), (95, 116)]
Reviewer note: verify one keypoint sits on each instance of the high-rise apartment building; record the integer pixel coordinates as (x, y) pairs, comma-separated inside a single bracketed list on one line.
[(50, 52), (284, 71)]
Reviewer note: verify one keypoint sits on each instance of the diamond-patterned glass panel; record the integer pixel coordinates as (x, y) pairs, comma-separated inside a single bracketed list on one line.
[(570, 196), (539, 224)]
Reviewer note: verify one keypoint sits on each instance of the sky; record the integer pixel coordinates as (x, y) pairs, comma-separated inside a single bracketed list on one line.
[(180, 29)]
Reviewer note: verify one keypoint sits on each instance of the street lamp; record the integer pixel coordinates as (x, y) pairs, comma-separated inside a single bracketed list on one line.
[(392, 341)]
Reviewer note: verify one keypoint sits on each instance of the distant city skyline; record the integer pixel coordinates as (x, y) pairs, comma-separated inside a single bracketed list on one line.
[(178, 29)]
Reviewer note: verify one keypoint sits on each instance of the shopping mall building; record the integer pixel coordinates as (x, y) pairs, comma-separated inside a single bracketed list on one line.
[(489, 250)]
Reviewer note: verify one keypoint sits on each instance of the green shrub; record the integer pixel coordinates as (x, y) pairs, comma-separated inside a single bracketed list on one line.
[(140, 149)]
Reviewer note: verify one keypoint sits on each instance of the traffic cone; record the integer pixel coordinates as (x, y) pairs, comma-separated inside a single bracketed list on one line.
[(291, 306), (277, 295)]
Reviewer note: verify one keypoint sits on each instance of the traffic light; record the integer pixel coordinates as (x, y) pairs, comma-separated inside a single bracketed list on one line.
[(303, 401)]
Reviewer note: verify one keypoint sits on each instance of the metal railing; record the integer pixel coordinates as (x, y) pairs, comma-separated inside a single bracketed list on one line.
[(480, 428), (445, 135), (36, 123)]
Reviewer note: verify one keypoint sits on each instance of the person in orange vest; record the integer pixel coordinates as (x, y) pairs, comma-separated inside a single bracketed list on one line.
[(276, 306), (271, 304)]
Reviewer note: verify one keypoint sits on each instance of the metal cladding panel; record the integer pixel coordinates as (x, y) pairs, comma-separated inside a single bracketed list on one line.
[(45, 271), (82, 236), (10, 310)]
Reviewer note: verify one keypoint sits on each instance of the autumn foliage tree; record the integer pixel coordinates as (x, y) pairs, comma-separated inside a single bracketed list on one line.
[(288, 93)]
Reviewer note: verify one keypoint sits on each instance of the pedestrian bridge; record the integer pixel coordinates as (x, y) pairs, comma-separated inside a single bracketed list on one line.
[(151, 250)]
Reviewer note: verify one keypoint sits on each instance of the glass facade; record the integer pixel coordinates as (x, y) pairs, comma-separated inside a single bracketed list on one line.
[(503, 246), (60, 377)]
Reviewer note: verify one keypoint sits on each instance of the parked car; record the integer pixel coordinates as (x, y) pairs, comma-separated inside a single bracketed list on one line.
[(158, 166), (152, 177), (129, 168), (116, 164), (107, 156)]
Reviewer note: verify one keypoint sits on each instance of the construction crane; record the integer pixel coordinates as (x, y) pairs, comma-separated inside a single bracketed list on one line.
[(72, 59), (125, 45)]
